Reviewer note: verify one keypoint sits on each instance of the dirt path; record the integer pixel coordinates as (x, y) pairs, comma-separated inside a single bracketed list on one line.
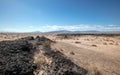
[(90, 59)]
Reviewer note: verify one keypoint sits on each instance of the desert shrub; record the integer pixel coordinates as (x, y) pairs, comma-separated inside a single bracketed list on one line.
[(116, 44), (111, 43), (72, 53), (65, 37), (105, 43), (41, 60), (93, 71), (77, 42), (96, 71), (47, 44), (88, 39), (61, 49), (36, 60), (106, 39), (94, 45)]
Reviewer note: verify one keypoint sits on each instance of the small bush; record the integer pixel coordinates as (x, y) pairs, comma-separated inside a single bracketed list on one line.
[(116, 44), (105, 43), (94, 45), (61, 49), (41, 60), (47, 44), (92, 70), (72, 53), (96, 71), (111, 43), (65, 37), (77, 42), (88, 39)]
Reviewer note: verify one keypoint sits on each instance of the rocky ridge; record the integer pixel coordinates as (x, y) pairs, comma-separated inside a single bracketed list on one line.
[(17, 58)]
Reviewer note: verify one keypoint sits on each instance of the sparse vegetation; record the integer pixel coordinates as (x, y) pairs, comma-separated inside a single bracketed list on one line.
[(96, 71), (116, 44), (65, 36), (61, 49), (94, 45), (88, 39), (72, 53), (93, 70), (47, 44), (41, 60), (105, 43), (82, 50), (77, 42), (111, 43)]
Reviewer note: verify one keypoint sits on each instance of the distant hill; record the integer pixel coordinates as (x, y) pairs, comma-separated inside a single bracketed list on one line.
[(35, 32), (66, 31), (70, 32), (59, 32), (83, 32)]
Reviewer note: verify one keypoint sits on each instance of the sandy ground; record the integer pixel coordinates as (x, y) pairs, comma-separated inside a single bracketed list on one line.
[(13, 36), (101, 53), (93, 52)]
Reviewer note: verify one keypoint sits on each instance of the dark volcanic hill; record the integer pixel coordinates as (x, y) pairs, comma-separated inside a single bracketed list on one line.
[(16, 58)]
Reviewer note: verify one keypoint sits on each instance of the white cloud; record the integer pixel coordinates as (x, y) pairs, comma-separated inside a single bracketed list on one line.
[(81, 27), (47, 28)]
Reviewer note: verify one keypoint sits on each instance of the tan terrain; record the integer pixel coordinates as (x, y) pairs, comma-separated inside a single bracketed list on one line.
[(98, 54), (95, 53)]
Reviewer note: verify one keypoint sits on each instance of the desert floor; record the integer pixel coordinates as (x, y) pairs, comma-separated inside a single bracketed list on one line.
[(95, 53)]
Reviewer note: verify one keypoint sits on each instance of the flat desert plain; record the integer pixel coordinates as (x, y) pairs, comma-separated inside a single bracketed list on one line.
[(99, 54)]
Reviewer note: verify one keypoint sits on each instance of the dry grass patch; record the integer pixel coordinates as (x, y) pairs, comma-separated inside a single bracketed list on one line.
[(40, 59), (93, 70), (96, 71)]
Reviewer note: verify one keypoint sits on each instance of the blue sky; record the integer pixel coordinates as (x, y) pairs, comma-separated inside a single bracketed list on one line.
[(51, 15)]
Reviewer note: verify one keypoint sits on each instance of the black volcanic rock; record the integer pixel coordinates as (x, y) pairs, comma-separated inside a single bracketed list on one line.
[(61, 65), (28, 38), (16, 58), (42, 38)]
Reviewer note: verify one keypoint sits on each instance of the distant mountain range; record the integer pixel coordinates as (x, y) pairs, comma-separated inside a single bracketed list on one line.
[(63, 31), (78, 32), (58, 32), (69, 32)]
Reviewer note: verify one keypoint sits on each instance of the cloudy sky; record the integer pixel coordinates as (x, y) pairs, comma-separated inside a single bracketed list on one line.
[(52, 15)]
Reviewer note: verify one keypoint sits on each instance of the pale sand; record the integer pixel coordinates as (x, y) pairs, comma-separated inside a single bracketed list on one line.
[(92, 52)]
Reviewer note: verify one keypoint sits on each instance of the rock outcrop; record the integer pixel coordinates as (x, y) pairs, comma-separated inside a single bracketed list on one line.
[(17, 58), (60, 64)]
